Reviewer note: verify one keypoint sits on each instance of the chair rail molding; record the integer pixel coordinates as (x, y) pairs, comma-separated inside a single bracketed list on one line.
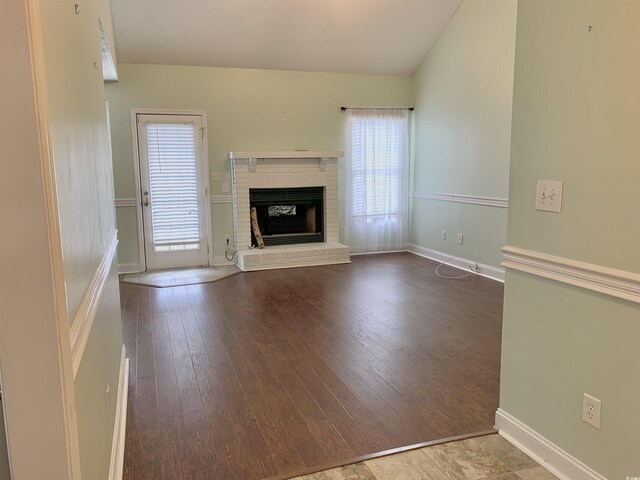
[(609, 281), (225, 198), (126, 202), (86, 314), (456, 198)]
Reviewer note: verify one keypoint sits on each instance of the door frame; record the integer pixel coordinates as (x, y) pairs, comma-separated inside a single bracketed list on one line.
[(134, 112)]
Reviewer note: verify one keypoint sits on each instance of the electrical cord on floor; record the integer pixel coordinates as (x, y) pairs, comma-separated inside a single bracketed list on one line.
[(456, 277), (234, 250)]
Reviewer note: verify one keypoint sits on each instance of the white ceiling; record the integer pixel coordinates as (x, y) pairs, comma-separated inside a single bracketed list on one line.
[(358, 36)]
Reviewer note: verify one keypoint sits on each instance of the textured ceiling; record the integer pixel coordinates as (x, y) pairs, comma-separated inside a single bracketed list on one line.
[(358, 36)]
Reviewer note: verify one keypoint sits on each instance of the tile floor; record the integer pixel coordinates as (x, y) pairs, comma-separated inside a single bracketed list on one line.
[(488, 457), (182, 276)]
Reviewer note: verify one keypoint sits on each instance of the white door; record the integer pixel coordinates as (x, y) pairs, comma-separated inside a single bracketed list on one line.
[(172, 181)]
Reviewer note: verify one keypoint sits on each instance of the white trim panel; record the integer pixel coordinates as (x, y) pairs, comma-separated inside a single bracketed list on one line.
[(83, 321), (549, 455), (488, 271), (609, 281), (120, 424), (315, 154), (472, 199), (126, 202), (226, 198), (129, 268)]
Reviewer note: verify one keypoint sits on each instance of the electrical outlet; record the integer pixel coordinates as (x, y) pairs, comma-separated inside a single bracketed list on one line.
[(215, 176), (591, 410), (444, 234), (549, 196), (460, 239), (342, 231), (227, 239), (225, 187), (108, 392)]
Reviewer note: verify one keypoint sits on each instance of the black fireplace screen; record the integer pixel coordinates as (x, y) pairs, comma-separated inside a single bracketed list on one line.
[(288, 215)]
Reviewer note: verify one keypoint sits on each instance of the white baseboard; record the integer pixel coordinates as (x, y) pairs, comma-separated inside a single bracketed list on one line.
[(356, 252), (129, 268), (550, 456), (117, 446), (219, 261), (488, 271)]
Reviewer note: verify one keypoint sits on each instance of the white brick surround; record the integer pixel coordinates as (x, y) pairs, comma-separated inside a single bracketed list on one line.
[(286, 169)]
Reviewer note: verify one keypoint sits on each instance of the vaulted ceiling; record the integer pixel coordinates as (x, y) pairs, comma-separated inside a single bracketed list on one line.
[(357, 36)]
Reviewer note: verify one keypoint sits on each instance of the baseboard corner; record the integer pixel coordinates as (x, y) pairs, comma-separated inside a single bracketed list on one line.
[(546, 453), (124, 268)]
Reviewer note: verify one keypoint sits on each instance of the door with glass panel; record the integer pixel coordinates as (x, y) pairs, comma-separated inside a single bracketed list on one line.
[(172, 182)]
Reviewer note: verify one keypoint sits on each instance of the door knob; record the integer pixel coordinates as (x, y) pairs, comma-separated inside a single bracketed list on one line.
[(145, 201)]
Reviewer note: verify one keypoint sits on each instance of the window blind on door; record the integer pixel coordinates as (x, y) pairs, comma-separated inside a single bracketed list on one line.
[(173, 184)]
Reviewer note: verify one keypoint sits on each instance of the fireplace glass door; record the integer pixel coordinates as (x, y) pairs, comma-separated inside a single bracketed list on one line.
[(288, 215)]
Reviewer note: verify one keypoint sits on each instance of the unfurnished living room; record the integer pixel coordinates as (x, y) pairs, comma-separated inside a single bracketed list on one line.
[(320, 240)]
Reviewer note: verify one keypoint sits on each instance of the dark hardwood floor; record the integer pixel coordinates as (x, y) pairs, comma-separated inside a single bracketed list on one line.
[(269, 373)]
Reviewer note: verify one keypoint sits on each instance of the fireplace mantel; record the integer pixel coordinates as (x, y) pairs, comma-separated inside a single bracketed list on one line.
[(257, 154), (265, 169)]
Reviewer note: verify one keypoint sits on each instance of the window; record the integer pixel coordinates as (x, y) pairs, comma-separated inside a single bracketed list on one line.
[(377, 157)]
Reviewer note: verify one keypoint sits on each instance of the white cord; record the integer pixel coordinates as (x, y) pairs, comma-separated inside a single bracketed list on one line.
[(226, 252), (445, 262)]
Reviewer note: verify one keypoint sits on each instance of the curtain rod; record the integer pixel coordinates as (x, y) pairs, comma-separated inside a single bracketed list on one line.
[(377, 108)]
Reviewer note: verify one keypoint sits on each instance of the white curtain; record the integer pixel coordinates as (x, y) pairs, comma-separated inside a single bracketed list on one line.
[(377, 166)]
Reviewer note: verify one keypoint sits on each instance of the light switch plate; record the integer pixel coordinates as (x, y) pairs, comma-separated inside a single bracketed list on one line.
[(549, 196), (215, 176)]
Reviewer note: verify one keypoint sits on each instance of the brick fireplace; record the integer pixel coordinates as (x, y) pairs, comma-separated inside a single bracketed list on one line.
[(284, 186)]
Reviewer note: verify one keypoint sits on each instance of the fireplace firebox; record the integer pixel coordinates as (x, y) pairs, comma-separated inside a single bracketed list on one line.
[(288, 215)]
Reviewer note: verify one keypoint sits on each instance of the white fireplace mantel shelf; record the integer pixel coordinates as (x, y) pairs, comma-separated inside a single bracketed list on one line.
[(260, 154)]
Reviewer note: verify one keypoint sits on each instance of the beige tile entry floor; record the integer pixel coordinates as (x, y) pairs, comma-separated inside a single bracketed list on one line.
[(488, 457), (181, 276)]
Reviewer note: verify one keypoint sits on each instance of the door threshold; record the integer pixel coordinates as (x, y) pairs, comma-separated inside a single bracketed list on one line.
[(177, 277)]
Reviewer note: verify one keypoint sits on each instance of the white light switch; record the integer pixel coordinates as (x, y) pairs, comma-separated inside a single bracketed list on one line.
[(215, 176), (549, 195)]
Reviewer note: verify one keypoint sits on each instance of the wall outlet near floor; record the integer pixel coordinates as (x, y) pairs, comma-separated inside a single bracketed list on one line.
[(225, 187), (342, 231), (549, 196), (444, 234), (591, 409), (460, 239)]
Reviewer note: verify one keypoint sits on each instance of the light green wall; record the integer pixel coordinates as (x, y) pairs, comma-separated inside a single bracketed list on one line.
[(575, 118), (100, 367), (80, 143), (244, 112), (461, 132), (85, 202)]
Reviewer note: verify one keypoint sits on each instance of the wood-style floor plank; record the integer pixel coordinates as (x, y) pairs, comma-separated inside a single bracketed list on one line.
[(274, 372)]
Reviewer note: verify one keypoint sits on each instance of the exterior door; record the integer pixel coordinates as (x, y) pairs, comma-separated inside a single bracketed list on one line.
[(172, 181)]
